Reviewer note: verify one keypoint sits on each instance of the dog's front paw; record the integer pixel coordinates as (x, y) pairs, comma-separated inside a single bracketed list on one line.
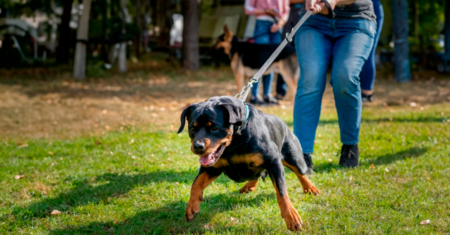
[(311, 189), (293, 220), (192, 210)]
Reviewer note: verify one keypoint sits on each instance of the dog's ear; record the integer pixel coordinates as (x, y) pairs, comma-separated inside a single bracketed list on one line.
[(227, 33), (186, 112), (236, 113)]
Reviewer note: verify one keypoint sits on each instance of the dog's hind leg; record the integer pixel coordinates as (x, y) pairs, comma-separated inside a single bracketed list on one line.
[(239, 77), (288, 212), (293, 159), (238, 70), (250, 186), (204, 178), (290, 72), (308, 187)]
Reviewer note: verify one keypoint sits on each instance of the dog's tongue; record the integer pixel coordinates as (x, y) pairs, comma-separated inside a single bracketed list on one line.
[(205, 159)]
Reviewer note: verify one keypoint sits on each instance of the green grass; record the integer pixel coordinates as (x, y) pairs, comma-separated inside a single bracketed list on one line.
[(135, 182)]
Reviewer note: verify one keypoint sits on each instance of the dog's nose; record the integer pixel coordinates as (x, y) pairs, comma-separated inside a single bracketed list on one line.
[(199, 146)]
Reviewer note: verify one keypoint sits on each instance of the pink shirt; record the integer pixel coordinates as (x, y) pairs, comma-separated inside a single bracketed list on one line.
[(282, 6)]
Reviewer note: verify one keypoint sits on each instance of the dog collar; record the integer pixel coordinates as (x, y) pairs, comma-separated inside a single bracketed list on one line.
[(247, 111), (237, 129)]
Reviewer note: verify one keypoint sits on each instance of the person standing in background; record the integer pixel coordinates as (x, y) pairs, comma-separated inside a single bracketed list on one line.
[(367, 75), (271, 16), (294, 16)]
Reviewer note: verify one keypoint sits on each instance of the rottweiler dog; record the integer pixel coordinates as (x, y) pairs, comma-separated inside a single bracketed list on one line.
[(245, 144)]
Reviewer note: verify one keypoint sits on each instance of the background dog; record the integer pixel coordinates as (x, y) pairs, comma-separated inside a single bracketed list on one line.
[(243, 143), (247, 58)]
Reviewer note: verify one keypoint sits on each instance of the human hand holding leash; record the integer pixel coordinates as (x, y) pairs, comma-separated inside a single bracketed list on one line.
[(317, 6), (324, 6), (274, 28)]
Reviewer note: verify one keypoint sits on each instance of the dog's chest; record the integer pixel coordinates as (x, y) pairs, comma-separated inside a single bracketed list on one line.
[(242, 168)]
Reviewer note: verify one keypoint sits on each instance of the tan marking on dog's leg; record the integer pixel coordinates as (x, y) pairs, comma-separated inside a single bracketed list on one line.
[(200, 183), (250, 186), (288, 212), (308, 187)]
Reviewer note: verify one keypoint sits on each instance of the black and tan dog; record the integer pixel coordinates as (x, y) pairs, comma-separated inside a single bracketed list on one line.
[(243, 143), (247, 58)]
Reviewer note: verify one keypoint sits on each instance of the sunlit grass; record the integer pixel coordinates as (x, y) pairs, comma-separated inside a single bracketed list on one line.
[(134, 182)]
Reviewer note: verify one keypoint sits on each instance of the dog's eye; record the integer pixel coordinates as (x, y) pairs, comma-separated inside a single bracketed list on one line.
[(215, 128)]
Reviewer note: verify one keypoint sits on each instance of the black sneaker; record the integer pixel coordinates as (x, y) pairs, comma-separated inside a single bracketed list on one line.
[(349, 156), (257, 101), (270, 100), (308, 161), (366, 98)]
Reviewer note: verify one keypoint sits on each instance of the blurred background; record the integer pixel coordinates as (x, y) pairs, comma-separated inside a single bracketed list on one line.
[(43, 33), (73, 67)]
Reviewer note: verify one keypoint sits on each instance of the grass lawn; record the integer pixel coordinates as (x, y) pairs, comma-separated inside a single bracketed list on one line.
[(135, 180)]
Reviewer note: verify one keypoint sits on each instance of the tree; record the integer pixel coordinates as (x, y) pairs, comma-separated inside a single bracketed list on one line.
[(190, 35), (401, 44), (137, 40), (79, 68), (163, 20), (64, 33), (447, 27), (123, 44)]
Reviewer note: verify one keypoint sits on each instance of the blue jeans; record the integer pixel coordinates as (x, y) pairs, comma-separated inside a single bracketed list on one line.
[(346, 44), (262, 35), (368, 71)]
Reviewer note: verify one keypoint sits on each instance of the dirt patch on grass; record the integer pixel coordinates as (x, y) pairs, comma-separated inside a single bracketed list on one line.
[(152, 97)]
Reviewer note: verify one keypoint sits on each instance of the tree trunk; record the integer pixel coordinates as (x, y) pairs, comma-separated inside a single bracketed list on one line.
[(162, 15), (401, 45), (123, 45), (79, 68), (105, 32), (123, 57), (190, 35), (447, 27), (137, 40), (64, 33)]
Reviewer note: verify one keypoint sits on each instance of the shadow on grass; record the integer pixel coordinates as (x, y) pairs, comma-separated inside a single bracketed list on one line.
[(169, 219), (425, 119), (388, 158), (98, 189), (385, 159)]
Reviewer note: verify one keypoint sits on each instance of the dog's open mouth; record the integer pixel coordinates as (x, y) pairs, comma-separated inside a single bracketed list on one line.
[(209, 160)]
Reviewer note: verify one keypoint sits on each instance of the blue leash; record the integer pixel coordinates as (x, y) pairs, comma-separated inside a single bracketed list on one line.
[(247, 113)]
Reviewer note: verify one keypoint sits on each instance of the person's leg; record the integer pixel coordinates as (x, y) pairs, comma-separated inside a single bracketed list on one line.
[(275, 38), (281, 87), (350, 52), (261, 36), (368, 71), (313, 49), (267, 84)]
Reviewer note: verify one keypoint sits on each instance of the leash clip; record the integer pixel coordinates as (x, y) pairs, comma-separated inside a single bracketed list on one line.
[(287, 37)]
